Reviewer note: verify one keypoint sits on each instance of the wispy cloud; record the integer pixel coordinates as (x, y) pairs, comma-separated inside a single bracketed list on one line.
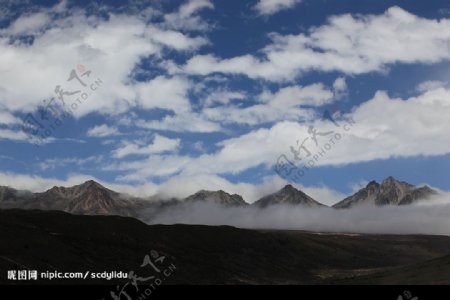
[(270, 7), (160, 144)]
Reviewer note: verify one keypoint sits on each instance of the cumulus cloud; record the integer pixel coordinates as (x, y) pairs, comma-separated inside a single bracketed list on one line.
[(418, 128), (352, 44), (270, 7), (287, 103), (180, 186), (160, 144), (8, 119), (176, 40), (340, 88), (186, 17), (164, 93), (430, 85), (28, 24), (111, 48), (102, 131), (313, 95), (182, 122), (8, 134), (223, 96)]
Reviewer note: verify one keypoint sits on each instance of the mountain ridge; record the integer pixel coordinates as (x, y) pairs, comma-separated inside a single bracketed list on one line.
[(218, 197), (92, 198), (390, 192), (288, 195)]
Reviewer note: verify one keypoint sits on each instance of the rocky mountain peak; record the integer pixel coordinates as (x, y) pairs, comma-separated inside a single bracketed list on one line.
[(288, 195), (373, 183), (91, 184), (219, 197), (391, 182), (289, 188)]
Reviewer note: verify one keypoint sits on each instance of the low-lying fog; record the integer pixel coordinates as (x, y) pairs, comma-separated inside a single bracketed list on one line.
[(425, 217)]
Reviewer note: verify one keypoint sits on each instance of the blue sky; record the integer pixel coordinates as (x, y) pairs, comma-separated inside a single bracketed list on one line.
[(199, 94)]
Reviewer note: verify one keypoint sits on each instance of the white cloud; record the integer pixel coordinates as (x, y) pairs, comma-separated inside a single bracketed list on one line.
[(347, 43), (186, 18), (111, 48), (356, 186), (160, 144), (182, 186), (223, 96), (54, 163), (102, 131), (176, 40), (269, 7), (8, 119), (256, 114), (27, 24), (165, 93), (71, 41), (13, 135), (285, 104), (430, 85), (419, 127), (323, 194), (340, 88), (312, 95), (151, 167), (431, 219), (340, 85), (182, 122)]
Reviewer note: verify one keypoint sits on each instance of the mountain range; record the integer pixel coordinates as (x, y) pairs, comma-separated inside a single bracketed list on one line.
[(389, 192), (91, 198)]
